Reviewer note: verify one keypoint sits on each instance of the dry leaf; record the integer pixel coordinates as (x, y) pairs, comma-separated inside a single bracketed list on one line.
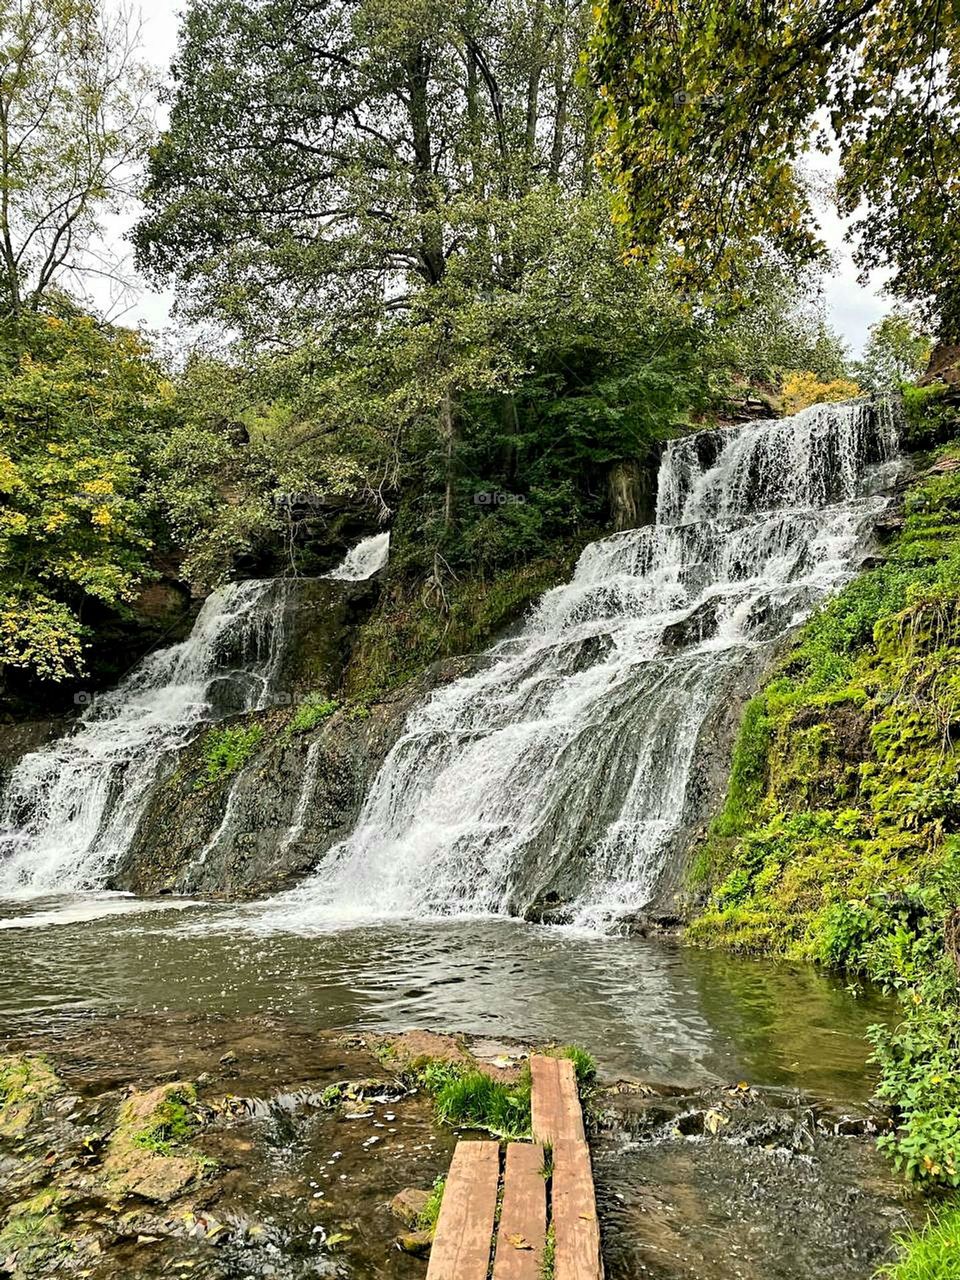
[(519, 1242)]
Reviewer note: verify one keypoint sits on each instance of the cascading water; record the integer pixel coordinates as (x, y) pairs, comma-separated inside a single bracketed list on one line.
[(364, 560), (569, 761), (70, 810)]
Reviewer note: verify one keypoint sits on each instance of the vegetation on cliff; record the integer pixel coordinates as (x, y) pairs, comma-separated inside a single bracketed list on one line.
[(839, 839)]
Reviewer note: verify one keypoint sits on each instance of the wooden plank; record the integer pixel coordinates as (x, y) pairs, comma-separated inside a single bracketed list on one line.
[(555, 1102), (464, 1234), (523, 1215), (575, 1225)]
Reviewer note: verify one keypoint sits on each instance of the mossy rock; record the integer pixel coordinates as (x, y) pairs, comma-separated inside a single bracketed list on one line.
[(26, 1081), (149, 1153), (32, 1231)]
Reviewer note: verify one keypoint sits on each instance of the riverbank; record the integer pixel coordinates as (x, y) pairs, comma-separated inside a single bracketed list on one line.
[(170, 1144), (840, 835)]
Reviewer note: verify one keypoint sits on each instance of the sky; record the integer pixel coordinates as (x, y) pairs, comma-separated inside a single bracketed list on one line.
[(850, 306)]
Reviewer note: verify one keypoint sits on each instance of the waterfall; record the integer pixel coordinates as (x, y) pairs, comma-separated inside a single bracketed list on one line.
[(364, 560), (570, 760), (71, 809)]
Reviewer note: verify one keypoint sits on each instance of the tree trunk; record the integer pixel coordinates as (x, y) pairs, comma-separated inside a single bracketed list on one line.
[(449, 426)]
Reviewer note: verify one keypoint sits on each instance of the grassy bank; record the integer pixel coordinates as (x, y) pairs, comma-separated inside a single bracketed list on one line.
[(839, 841)]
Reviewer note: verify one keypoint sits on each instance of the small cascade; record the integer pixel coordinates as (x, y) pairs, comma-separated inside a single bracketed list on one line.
[(364, 560), (71, 809), (573, 763)]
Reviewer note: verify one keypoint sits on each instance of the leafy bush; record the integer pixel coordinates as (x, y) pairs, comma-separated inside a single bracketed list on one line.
[(930, 415), (802, 389), (314, 709), (227, 750)]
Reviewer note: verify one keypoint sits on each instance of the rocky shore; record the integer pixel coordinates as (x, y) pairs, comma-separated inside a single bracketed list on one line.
[(206, 1146)]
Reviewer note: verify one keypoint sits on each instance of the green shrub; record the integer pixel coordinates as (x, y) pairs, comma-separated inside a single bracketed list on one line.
[(313, 710), (227, 750), (930, 415)]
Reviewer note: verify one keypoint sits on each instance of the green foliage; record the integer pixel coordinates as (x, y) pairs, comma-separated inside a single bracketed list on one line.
[(171, 1125), (80, 406), (930, 1254), (930, 415), (584, 1063), (897, 352), (227, 750), (840, 838), (429, 1214), (470, 1099), (313, 710), (706, 113), (548, 1262), (75, 102)]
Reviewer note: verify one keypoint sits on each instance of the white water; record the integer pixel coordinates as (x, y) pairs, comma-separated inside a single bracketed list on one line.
[(573, 759), (364, 560), (70, 810)]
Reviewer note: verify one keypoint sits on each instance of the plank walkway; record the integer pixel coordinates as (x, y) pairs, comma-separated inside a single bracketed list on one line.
[(466, 1236)]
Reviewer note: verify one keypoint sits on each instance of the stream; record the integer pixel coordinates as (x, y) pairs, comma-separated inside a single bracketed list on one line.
[(645, 1008)]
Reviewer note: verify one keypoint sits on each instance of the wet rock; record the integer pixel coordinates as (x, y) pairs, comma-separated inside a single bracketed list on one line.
[(26, 1082), (147, 1155), (409, 1204), (246, 834), (416, 1242)]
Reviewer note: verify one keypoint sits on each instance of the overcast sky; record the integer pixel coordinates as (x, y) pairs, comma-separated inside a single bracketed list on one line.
[(851, 307)]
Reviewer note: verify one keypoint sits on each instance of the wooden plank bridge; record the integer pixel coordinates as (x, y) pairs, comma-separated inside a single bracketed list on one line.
[(468, 1234)]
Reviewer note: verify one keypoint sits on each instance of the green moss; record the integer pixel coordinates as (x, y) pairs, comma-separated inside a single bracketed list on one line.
[(25, 1082), (225, 751), (172, 1124), (840, 838), (33, 1230), (930, 1254), (413, 626)]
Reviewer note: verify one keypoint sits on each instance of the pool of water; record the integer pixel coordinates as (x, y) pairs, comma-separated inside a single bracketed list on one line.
[(646, 1009)]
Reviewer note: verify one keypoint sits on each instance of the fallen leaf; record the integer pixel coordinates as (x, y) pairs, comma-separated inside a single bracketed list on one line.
[(519, 1242)]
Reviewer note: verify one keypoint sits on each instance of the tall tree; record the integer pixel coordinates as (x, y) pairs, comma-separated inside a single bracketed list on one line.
[(75, 122), (330, 157), (706, 113)]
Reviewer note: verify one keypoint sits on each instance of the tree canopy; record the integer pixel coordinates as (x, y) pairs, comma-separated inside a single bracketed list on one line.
[(708, 113)]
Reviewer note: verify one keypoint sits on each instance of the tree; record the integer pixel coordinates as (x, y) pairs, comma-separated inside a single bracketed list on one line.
[(325, 159), (898, 351), (81, 404), (74, 123), (707, 112)]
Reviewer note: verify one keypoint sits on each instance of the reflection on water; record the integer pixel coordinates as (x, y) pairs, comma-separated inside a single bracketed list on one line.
[(644, 1008)]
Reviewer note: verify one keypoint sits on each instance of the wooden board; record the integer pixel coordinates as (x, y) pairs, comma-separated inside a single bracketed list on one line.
[(523, 1215), (575, 1225), (464, 1234), (555, 1104)]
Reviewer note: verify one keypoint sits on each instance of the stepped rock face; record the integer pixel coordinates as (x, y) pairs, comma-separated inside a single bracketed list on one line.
[(271, 823)]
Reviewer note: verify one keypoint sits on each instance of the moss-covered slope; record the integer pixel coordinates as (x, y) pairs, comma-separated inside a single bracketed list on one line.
[(839, 841)]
